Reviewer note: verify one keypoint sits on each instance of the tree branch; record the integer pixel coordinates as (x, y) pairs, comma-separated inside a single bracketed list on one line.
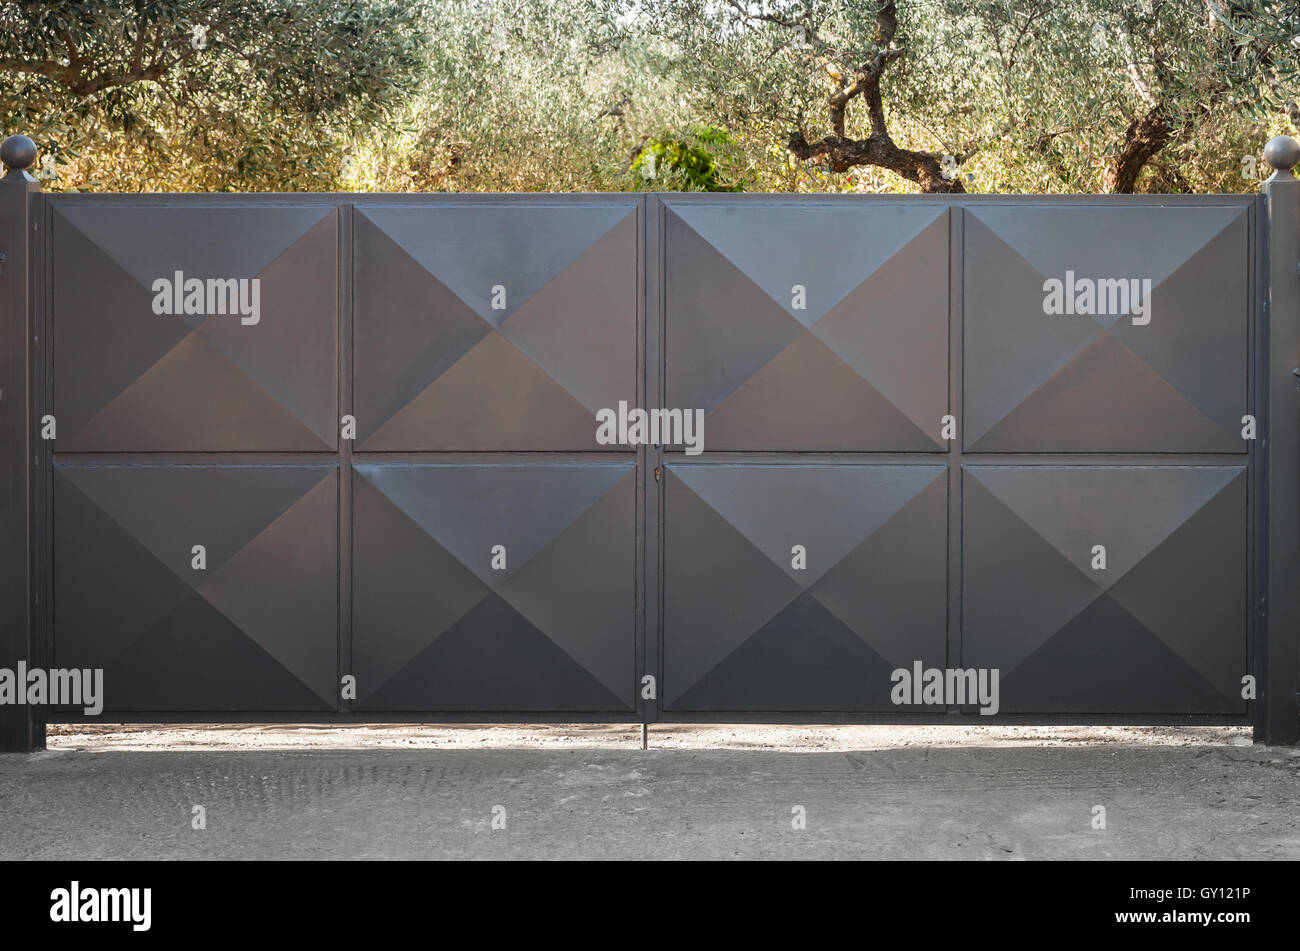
[(841, 153), (73, 76)]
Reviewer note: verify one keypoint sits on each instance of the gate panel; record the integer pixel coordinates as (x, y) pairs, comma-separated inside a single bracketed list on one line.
[(503, 586), (1159, 626), (747, 629), (497, 560), (809, 326), (493, 325), (251, 625), (162, 343), (1073, 366)]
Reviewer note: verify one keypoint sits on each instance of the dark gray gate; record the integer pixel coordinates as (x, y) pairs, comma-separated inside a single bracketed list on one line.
[(373, 488), (467, 344), (824, 428)]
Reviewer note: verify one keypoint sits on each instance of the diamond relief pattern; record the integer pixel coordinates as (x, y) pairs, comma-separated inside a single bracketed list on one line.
[(491, 327), (254, 629), (132, 380), (1159, 629), (746, 630), (440, 626), (862, 365), (1101, 383)]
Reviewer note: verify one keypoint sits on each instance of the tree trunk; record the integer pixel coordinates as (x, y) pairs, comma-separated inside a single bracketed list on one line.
[(1143, 140)]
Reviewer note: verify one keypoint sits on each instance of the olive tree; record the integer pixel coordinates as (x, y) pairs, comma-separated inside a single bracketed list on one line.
[(1050, 95), (211, 94)]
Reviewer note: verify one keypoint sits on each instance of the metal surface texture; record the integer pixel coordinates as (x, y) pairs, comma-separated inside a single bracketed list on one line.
[(493, 326), (128, 378), (251, 626)]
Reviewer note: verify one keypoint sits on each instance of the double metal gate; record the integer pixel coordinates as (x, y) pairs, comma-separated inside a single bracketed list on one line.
[(336, 456)]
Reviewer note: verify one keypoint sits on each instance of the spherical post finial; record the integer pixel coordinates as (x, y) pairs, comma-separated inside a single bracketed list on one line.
[(18, 153), (1282, 153)]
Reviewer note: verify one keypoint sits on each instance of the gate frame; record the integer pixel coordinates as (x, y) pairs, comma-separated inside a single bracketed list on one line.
[(1273, 641)]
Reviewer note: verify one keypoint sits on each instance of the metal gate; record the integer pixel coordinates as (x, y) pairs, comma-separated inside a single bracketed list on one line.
[(330, 456), (827, 360)]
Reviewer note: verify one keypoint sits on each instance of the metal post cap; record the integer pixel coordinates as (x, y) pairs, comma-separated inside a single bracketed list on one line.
[(1282, 153), (18, 152)]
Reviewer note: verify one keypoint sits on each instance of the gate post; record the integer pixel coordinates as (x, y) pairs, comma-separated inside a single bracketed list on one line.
[(1278, 662), (22, 727)]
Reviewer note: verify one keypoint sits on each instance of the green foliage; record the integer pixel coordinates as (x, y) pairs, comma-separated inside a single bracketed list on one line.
[(538, 95), (683, 164)]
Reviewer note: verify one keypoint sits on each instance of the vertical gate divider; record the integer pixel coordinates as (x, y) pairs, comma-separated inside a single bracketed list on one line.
[(650, 459), (344, 457), (1278, 660), (956, 360)]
